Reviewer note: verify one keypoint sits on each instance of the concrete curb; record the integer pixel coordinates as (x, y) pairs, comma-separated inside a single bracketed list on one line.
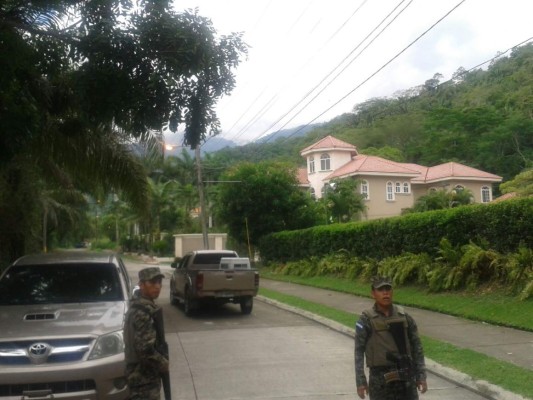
[(483, 388)]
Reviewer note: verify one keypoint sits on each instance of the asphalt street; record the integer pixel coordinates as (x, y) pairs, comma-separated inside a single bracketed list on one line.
[(220, 354)]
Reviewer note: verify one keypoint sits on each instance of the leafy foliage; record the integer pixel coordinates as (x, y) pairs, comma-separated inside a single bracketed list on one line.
[(87, 87), (455, 268), (262, 198)]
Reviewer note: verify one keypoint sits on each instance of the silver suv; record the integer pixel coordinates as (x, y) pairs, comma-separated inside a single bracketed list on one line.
[(61, 319)]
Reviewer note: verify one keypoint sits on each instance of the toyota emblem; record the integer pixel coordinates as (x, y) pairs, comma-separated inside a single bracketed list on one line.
[(39, 349)]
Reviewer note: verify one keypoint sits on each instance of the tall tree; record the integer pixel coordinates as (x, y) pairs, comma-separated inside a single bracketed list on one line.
[(80, 82), (256, 199)]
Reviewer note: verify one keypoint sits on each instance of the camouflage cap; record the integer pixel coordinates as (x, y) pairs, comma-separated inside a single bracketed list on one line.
[(150, 273), (380, 281)]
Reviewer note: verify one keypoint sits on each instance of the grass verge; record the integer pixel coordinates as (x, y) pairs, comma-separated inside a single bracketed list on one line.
[(491, 307), (479, 366)]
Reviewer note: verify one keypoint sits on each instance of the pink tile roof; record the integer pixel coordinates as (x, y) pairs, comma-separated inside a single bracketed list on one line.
[(330, 143), (373, 165), (505, 196), (456, 170), (302, 177)]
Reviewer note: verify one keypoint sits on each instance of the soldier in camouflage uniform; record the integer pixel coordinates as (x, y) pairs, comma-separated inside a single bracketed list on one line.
[(144, 363), (374, 339)]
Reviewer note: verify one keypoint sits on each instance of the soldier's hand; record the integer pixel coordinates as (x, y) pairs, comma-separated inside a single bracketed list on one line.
[(361, 390), (422, 386), (164, 367)]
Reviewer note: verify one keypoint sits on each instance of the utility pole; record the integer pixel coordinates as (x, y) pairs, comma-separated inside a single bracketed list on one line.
[(202, 198)]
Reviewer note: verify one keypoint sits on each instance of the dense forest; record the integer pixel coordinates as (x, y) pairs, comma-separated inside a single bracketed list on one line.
[(482, 118)]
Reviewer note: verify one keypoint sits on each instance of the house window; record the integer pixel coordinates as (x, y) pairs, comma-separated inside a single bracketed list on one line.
[(406, 187), (485, 194), (325, 189), (311, 165), (364, 190), (397, 187), (312, 192), (432, 190), (458, 188), (390, 192), (325, 162)]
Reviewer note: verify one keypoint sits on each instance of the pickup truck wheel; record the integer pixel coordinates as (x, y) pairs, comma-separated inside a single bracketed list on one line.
[(187, 304), (247, 304)]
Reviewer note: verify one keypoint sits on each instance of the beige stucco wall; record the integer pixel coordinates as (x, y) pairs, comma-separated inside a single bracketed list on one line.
[(377, 204), (195, 241), (474, 187), (336, 158)]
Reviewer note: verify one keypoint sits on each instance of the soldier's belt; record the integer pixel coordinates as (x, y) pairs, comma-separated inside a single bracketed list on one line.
[(397, 375)]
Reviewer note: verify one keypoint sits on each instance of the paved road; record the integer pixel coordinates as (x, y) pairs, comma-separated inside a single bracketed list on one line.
[(221, 354)]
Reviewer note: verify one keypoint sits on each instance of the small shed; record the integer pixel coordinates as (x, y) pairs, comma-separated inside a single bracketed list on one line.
[(184, 243)]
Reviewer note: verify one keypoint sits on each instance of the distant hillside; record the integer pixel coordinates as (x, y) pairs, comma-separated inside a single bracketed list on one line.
[(481, 118), (299, 131)]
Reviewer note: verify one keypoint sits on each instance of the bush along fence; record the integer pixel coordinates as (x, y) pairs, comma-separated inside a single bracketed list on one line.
[(442, 250), (503, 226)]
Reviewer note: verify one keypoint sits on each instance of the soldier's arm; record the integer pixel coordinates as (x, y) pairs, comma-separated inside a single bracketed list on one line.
[(362, 333), (145, 341), (417, 352)]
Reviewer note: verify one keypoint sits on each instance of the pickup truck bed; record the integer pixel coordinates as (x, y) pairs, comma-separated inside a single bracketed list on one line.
[(214, 276)]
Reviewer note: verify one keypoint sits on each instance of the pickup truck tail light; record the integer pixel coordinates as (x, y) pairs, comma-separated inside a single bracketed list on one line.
[(256, 279), (199, 281)]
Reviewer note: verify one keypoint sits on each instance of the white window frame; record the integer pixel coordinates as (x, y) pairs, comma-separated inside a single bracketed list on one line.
[(365, 189), (486, 194), (406, 188), (397, 187), (325, 162), (311, 165), (389, 190)]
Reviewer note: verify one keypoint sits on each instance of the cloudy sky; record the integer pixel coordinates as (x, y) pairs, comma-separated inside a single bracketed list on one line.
[(312, 60)]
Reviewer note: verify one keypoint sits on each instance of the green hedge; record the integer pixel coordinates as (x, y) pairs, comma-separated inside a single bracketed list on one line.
[(502, 225)]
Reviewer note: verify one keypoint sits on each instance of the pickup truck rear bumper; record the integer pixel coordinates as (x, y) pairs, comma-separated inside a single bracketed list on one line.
[(221, 294)]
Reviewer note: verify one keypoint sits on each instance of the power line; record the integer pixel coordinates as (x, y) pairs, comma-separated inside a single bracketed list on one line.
[(378, 70), (304, 66), (347, 65)]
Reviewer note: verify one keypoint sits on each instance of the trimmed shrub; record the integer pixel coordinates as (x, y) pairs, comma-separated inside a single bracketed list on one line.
[(502, 225)]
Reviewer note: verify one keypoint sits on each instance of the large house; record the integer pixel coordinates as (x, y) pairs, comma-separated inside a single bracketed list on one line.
[(388, 186)]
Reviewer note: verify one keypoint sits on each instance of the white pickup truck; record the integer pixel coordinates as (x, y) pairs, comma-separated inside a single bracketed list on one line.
[(216, 276)]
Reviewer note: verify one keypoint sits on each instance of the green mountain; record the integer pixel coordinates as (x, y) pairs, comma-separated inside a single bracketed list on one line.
[(482, 118)]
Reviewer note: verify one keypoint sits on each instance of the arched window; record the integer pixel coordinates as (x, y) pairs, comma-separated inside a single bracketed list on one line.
[(325, 162), (432, 190), (390, 191), (458, 188), (406, 187), (365, 190), (311, 165), (485, 194), (397, 187)]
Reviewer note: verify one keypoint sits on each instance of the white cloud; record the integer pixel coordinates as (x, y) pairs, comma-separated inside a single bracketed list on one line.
[(295, 44)]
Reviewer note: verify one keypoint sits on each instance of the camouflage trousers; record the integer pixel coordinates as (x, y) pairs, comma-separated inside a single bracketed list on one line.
[(146, 392), (378, 389)]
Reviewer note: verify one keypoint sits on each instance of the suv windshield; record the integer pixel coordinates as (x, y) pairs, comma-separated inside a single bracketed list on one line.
[(61, 283)]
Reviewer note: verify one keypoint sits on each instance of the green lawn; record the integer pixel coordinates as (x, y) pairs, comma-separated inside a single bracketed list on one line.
[(492, 307)]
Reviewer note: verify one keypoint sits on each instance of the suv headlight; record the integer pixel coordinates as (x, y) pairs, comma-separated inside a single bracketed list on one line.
[(108, 345)]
